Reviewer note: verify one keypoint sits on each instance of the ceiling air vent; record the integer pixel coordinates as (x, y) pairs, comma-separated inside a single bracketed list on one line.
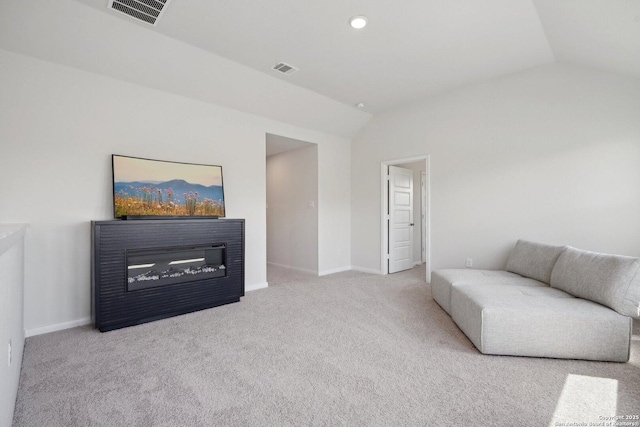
[(148, 11), (285, 69)]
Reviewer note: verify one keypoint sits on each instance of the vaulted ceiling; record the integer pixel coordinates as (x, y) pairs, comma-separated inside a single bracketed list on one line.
[(221, 52), (410, 49)]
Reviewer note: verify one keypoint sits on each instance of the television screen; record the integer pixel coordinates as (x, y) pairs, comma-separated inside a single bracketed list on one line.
[(157, 188)]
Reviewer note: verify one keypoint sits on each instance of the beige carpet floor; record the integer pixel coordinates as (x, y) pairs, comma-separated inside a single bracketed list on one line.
[(349, 349)]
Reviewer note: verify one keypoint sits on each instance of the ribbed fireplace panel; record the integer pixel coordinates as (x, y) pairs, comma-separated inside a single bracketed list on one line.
[(115, 307)]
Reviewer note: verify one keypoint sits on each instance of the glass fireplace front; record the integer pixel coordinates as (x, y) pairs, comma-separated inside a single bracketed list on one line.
[(169, 266)]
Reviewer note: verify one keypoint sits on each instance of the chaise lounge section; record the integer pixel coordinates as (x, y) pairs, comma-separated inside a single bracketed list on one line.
[(552, 301)]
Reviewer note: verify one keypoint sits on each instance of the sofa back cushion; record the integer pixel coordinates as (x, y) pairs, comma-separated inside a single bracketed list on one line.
[(534, 260), (610, 280)]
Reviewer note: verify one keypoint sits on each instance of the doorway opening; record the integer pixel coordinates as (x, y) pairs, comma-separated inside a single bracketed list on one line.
[(292, 203), (405, 214)]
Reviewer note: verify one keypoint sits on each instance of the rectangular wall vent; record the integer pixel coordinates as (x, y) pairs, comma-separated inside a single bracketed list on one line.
[(285, 69), (148, 11)]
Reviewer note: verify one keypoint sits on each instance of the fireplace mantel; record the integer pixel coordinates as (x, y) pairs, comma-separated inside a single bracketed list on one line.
[(207, 253)]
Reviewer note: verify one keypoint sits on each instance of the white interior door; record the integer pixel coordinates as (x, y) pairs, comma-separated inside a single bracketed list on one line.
[(400, 219)]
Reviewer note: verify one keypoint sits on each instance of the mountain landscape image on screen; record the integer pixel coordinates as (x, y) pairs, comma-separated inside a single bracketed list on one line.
[(176, 197)]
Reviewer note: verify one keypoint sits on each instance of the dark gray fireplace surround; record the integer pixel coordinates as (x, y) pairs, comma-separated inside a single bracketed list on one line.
[(145, 270)]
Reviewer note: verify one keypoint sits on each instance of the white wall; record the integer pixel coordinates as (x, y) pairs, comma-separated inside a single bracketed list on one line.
[(11, 316), (334, 193), (71, 33), (58, 129), (292, 224), (550, 154)]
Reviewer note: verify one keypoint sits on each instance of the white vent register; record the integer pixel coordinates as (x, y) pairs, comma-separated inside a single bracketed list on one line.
[(148, 11), (284, 68)]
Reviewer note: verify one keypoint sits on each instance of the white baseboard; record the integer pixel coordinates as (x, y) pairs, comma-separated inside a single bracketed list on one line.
[(57, 327), (87, 321), (315, 273), (256, 286), (334, 270), (365, 270)]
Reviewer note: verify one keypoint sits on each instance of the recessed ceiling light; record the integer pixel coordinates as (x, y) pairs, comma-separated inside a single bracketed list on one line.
[(358, 21)]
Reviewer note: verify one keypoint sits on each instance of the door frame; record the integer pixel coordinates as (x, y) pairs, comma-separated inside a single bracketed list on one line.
[(423, 215), (384, 219)]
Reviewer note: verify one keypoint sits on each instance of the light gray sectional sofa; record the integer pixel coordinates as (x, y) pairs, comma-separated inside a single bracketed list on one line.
[(552, 301)]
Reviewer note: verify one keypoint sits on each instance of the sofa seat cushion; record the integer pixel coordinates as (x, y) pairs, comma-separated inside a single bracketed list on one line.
[(611, 280), (539, 322), (534, 260), (443, 280)]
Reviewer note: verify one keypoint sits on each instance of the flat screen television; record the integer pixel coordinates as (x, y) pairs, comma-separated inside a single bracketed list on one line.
[(145, 188)]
